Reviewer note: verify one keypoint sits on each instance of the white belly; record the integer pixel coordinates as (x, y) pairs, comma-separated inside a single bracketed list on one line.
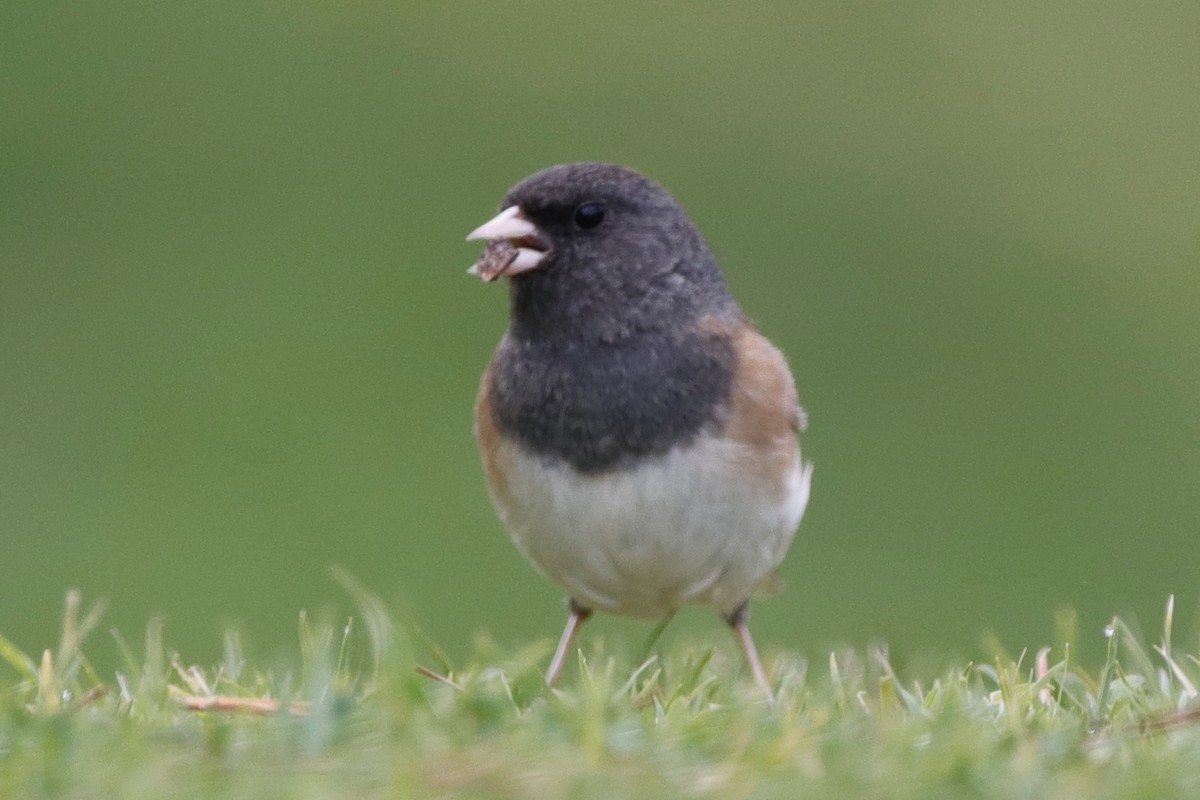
[(686, 528)]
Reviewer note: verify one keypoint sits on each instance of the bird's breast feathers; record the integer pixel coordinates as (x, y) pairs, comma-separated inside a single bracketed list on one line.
[(702, 522)]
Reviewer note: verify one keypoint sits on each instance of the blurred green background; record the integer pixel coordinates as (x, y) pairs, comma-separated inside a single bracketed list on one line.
[(237, 343)]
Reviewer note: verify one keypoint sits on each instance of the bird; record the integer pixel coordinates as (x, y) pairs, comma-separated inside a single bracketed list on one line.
[(639, 437)]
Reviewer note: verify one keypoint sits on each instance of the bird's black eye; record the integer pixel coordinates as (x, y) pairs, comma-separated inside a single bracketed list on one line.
[(589, 215)]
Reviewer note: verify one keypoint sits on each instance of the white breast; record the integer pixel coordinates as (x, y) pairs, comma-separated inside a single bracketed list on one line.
[(689, 527)]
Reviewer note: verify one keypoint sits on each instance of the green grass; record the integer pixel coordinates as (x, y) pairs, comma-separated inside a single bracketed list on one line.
[(357, 718)]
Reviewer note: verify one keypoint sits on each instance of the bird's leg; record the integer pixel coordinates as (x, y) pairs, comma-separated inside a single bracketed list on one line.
[(579, 615), (739, 621)]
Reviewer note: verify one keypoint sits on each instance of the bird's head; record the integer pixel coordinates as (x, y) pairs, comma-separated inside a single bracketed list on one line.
[(598, 240)]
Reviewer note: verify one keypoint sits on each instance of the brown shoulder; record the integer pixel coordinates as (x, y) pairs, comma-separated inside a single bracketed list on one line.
[(763, 400), (763, 413), (495, 449)]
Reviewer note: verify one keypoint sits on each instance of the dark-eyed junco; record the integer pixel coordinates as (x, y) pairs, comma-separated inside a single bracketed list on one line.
[(638, 434)]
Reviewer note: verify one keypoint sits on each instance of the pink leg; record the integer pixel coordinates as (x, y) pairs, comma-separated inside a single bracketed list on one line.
[(579, 615), (739, 620)]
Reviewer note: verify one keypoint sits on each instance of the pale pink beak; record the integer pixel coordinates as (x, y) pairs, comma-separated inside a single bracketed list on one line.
[(515, 245)]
